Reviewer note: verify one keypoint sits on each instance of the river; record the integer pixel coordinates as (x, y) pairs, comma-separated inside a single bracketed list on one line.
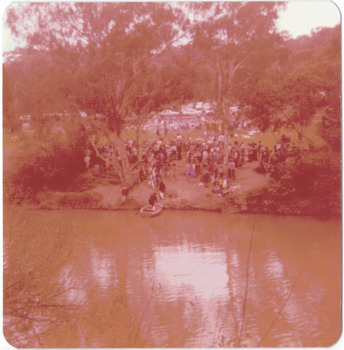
[(83, 278)]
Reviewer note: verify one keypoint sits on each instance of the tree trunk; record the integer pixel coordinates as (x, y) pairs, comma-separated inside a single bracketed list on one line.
[(220, 98), (122, 166), (139, 152)]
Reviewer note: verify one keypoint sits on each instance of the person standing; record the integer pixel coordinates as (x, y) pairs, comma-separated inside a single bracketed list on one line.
[(162, 189), (152, 200), (179, 151), (87, 159), (259, 148), (191, 172), (231, 168), (125, 192)]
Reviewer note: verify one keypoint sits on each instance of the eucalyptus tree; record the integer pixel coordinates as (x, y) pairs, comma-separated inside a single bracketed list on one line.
[(104, 56), (302, 83), (310, 82), (239, 38)]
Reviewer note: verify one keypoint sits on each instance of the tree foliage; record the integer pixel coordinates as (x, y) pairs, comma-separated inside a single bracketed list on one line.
[(240, 39), (329, 68), (52, 163), (310, 185), (102, 59), (297, 86)]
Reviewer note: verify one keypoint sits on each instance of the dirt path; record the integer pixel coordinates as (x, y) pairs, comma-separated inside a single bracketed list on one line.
[(248, 178), (182, 193)]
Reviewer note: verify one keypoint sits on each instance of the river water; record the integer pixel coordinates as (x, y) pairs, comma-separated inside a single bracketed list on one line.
[(181, 279)]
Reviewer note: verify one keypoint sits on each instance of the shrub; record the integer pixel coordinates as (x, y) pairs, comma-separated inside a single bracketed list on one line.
[(84, 200), (52, 164), (310, 185)]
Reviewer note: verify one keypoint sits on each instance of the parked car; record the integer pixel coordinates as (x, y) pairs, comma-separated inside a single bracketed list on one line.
[(189, 111), (168, 112), (207, 106), (199, 105)]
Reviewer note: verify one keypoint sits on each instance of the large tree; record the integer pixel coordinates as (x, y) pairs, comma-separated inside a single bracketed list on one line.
[(240, 39), (103, 53), (298, 86)]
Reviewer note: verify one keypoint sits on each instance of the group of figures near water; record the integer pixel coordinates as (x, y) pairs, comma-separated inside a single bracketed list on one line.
[(211, 160)]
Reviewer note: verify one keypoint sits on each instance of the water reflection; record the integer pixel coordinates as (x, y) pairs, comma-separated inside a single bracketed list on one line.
[(191, 282), (187, 266), (197, 274), (103, 268)]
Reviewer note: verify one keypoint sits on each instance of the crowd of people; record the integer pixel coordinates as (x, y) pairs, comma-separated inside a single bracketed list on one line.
[(211, 161), (158, 161), (272, 162)]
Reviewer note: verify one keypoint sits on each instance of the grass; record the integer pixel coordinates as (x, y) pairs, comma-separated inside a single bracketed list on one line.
[(150, 135), (7, 142), (268, 139)]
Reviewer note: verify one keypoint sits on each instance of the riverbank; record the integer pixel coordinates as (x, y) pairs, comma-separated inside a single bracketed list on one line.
[(99, 189), (251, 195), (181, 194)]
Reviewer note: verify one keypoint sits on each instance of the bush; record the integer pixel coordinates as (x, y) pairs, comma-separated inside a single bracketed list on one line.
[(76, 200), (310, 185), (50, 165)]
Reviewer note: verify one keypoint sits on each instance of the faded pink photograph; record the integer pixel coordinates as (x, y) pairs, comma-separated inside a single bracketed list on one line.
[(172, 174)]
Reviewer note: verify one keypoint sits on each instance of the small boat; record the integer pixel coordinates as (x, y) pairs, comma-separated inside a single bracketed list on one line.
[(148, 211)]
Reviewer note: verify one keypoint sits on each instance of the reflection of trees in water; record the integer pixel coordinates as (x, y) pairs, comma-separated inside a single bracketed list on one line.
[(34, 252), (97, 284), (99, 270), (105, 319)]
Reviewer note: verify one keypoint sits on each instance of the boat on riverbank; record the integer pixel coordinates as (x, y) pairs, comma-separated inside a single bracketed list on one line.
[(147, 210)]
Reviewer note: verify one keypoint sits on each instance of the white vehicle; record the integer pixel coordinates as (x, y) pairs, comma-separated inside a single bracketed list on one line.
[(149, 126), (168, 112), (189, 111), (199, 105)]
